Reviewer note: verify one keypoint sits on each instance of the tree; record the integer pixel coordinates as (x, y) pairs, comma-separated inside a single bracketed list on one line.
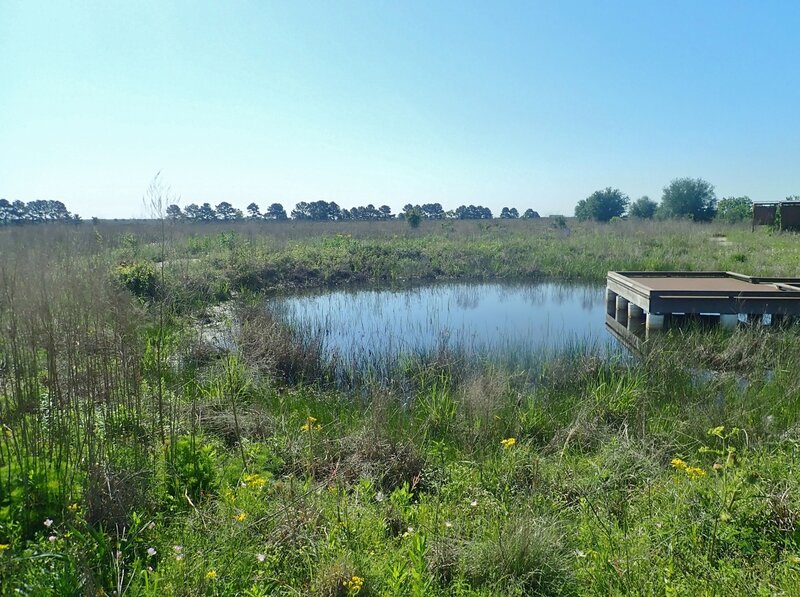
[(602, 205), (192, 212), (734, 209), (509, 214), (643, 208), (19, 212), (6, 212), (386, 212), (530, 214), (363, 213), (58, 212), (473, 212), (174, 212), (427, 211), (227, 212), (253, 212), (317, 211), (276, 212), (432, 211), (37, 211), (689, 198), (206, 213)]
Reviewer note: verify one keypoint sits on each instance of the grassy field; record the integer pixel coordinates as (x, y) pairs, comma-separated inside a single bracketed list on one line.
[(137, 458)]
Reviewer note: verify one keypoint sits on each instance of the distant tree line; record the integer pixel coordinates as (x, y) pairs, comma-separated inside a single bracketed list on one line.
[(687, 198), (321, 211), (435, 211), (39, 211), (223, 212), (18, 212)]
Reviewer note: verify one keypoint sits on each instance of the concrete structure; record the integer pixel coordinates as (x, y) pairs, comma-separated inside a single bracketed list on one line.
[(725, 294)]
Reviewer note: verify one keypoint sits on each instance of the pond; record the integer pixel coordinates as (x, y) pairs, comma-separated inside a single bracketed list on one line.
[(516, 324)]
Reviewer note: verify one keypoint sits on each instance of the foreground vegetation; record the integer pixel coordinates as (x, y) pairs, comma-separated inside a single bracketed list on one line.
[(137, 456)]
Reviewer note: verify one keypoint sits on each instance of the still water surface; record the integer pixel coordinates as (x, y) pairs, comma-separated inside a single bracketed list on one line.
[(491, 320)]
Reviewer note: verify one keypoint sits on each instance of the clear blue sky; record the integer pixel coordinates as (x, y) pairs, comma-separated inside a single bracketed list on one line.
[(527, 104)]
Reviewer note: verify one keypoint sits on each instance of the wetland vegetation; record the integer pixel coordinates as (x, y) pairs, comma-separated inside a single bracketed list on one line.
[(139, 456)]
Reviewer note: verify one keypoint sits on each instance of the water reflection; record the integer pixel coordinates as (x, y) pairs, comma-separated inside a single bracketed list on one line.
[(492, 320)]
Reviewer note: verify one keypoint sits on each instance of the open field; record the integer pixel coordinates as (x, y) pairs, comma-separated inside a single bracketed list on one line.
[(135, 457)]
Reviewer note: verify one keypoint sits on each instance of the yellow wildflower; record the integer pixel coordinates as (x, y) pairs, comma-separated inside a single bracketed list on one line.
[(694, 472), (241, 516), (255, 480), (354, 585), (508, 442), (4, 546), (211, 574), (679, 464)]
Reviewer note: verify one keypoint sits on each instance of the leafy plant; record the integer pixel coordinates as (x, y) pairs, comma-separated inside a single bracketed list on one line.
[(192, 467)]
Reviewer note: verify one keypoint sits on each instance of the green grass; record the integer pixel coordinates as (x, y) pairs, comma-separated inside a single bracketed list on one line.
[(169, 469)]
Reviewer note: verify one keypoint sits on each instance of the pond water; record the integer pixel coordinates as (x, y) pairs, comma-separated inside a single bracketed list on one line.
[(513, 323)]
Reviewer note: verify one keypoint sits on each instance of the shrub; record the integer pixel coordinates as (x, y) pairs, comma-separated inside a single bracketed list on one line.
[(139, 277), (414, 219)]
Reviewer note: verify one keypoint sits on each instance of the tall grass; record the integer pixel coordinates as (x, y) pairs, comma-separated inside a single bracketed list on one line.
[(135, 457)]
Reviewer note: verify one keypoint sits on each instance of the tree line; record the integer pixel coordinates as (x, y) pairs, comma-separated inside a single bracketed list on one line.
[(18, 212), (38, 211), (688, 198), (320, 211)]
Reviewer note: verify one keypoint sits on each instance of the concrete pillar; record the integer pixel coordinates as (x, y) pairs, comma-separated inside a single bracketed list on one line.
[(728, 322), (611, 301), (635, 311), (622, 303), (636, 327), (655, 321)]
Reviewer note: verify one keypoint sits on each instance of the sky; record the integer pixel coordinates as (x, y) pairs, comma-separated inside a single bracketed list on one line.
[(519, 104)]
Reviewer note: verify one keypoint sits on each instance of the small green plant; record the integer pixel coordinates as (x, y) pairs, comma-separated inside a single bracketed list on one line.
[(616, 393), (29, 496), (192, 466), (436, 407), (420, 580)]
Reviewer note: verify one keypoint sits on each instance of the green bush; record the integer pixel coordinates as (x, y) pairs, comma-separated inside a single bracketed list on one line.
[(139, 277)]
